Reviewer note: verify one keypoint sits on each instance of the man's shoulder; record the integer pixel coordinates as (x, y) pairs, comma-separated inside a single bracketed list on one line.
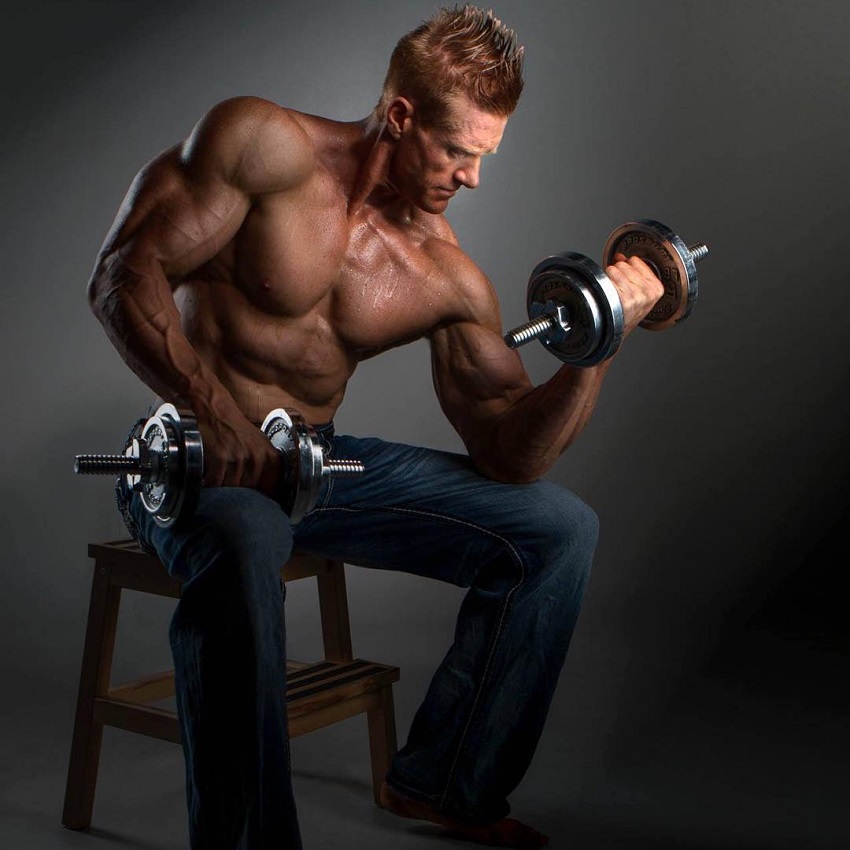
[(255, 142), (442, 246), (251, 114), (471, 288)]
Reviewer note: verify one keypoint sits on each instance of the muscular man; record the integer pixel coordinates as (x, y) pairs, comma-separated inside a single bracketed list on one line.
[(253, 266)]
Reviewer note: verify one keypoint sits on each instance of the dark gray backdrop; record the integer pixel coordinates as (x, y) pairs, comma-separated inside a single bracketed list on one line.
[(703, 702)]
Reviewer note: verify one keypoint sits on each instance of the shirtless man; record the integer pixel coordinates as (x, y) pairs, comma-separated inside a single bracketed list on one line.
[(253, 266)]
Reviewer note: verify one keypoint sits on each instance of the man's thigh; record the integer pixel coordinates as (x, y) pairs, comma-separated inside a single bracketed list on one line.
[(430, 513), (233, 523)]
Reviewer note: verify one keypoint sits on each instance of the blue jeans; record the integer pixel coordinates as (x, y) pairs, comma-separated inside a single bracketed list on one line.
[(523, 551)]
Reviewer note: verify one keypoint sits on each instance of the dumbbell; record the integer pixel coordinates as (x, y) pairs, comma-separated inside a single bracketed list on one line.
[(164, 463), (574, 309)]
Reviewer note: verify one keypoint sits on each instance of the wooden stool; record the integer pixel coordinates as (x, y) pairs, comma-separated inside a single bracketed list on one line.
[(319, 694)]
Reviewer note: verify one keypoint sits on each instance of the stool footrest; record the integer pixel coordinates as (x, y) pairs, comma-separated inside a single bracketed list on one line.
[(315, 695), (329, 691)]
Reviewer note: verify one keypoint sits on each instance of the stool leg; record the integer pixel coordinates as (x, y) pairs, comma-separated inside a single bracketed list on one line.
[(94, 680), (382, 738), (333, 606)]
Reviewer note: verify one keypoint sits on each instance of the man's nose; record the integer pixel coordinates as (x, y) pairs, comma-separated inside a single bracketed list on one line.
[(469, 174)]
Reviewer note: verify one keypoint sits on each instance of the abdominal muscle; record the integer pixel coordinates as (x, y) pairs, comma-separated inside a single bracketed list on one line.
[(266, 361)]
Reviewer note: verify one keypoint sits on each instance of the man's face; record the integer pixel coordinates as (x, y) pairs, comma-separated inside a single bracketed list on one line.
[(432, 163)]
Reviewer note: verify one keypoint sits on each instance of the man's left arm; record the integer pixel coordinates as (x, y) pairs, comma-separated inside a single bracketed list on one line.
[(513, 430)]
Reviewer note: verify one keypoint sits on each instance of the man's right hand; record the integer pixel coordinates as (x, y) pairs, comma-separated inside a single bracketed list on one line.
[(238, 454), (638, 287)]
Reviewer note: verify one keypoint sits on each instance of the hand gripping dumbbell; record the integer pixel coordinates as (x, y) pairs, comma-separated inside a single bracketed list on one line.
[(574, 309), (164, 464)]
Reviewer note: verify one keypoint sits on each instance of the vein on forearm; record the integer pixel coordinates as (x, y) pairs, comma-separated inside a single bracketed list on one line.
[(529, 435), (143, 323)]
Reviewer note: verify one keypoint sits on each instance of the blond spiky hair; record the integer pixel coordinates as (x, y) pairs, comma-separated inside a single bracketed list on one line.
[(466, 50)]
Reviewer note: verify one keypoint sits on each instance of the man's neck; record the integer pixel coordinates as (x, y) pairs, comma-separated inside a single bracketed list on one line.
[(372, 184)]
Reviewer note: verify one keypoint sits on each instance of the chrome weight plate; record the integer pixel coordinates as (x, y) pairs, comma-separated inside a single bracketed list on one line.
[(171, 444), (594, 311), (671, 260), (304, 466)]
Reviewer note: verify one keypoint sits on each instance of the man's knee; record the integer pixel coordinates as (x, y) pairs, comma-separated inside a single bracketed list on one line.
[(572, 519), (238, 534), (563, 531)]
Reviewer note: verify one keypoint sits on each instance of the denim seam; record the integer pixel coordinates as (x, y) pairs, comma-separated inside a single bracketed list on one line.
[(330, 478), (499, 628)]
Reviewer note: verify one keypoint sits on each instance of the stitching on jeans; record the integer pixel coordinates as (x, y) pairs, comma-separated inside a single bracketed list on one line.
[(329, 442), (499, 627)]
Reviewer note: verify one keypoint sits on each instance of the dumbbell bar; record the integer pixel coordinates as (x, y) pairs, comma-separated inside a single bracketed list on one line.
[(165, 463), (574, 309)]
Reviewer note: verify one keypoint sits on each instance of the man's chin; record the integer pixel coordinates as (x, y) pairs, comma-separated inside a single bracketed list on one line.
[(435, 206)]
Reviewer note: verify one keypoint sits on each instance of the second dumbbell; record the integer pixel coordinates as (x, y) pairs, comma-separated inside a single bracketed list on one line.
[(164, 463), (574, 309)]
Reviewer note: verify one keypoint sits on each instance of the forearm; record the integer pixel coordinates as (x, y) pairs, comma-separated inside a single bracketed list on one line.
[(140, 317), (521, 442)]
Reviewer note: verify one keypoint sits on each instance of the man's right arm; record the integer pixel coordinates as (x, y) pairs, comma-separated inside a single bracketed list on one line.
[(514, 432), (180, 211)]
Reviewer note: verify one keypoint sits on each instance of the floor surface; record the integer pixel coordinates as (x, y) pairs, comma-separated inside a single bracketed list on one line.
[(752, 754)]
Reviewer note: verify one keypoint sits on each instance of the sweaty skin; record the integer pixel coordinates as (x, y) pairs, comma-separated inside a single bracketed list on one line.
[(254, 265), (257, 263)]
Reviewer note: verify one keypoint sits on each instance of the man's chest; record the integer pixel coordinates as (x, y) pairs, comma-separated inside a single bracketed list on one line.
[(370, 282)]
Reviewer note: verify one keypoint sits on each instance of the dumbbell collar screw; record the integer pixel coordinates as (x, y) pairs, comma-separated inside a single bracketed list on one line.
[(559, 321), (549, 320), (698, 252)]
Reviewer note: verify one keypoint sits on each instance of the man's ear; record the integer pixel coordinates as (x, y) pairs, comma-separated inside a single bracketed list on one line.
[(399, 116)]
